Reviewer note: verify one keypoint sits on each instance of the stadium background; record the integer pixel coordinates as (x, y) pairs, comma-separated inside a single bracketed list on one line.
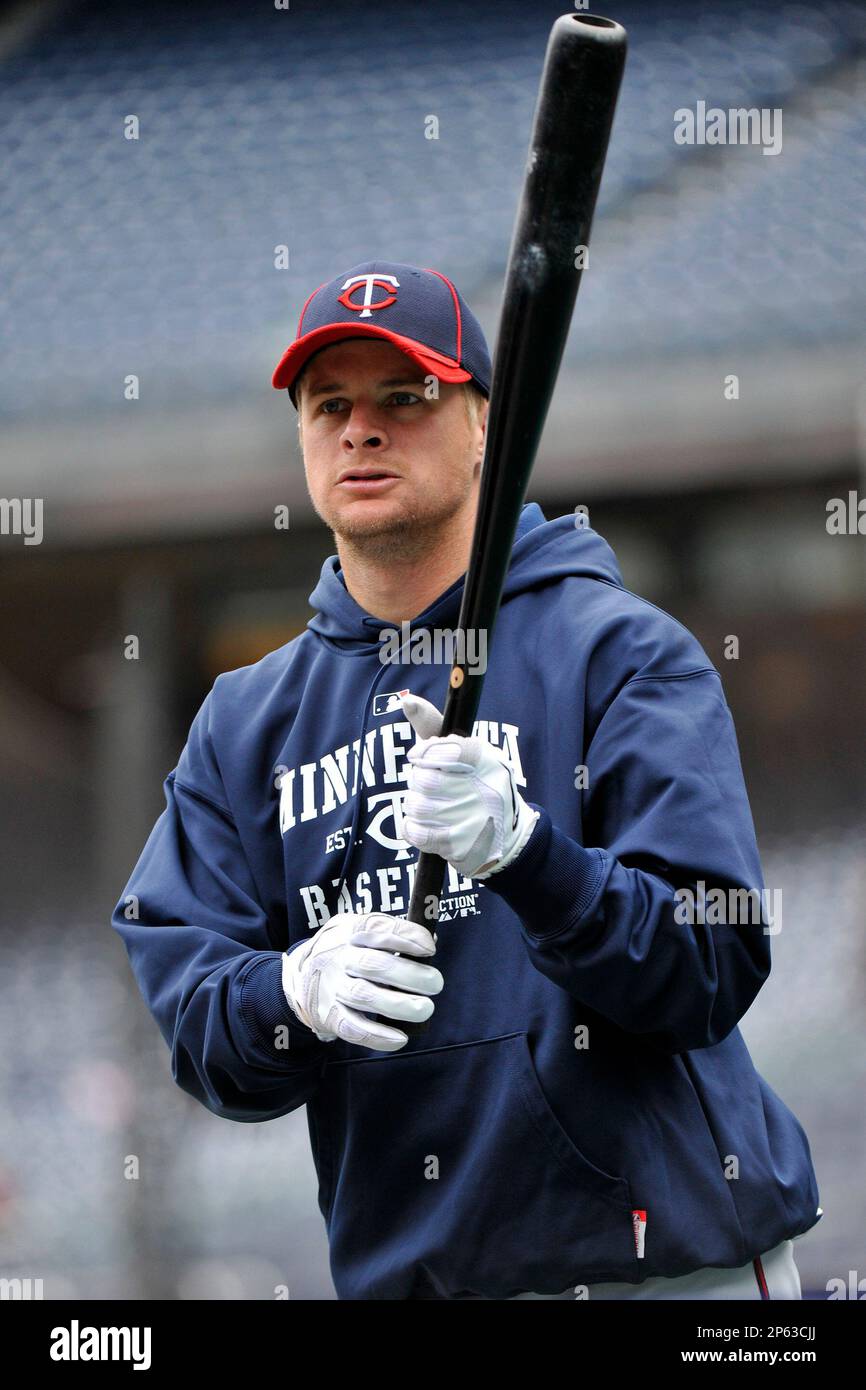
[(305, 127)]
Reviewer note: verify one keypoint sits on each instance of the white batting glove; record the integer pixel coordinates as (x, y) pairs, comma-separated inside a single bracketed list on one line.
[(333, 975), (462, 801)]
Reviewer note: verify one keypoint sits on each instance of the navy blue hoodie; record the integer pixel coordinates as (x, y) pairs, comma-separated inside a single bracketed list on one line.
[(583, 1063)]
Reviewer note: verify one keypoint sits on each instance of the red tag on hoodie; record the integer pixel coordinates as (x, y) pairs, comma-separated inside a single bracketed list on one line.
[(638, 1221)]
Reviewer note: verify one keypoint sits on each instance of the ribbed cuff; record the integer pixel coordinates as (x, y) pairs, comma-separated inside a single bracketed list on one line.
[(264, 1009), (552, 881)]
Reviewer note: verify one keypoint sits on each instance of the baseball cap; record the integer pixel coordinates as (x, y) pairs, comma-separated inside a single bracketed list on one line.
[(419, 311)]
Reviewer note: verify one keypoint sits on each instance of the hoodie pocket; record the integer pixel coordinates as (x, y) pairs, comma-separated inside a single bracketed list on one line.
[(450, 1172)]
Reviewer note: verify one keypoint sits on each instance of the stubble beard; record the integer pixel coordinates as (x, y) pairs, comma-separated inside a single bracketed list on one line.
[(409, 532)]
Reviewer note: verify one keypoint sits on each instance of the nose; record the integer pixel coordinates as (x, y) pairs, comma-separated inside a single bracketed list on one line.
[(364, 430)]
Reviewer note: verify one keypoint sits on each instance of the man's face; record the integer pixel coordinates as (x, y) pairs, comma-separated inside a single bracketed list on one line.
[(363, 410)]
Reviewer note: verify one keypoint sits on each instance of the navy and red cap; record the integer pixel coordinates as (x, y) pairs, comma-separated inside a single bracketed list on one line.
[(419, 311)]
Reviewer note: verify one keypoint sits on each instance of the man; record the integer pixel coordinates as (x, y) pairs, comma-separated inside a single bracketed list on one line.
[(582, 1117)]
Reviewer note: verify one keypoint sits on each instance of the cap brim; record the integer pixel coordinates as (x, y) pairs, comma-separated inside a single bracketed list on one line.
[(432, 363)]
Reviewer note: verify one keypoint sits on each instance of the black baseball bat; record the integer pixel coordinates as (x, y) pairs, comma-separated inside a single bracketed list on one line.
[(573, 116)]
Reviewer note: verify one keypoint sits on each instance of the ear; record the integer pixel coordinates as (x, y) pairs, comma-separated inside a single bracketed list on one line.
[(482, 421)]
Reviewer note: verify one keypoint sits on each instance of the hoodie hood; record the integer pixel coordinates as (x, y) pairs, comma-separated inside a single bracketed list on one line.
[(543, 553)]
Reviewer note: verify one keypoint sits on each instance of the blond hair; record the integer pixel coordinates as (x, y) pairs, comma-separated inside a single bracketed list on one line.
[(473, 399)]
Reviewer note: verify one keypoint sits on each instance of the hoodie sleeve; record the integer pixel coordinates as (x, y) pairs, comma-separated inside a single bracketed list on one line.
[(203, 953), (666, 808)]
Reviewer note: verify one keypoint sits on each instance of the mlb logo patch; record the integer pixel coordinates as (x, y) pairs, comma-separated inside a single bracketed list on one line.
[(388, 702)]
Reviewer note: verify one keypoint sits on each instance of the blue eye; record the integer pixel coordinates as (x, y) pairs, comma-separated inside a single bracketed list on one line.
[(409, 398)]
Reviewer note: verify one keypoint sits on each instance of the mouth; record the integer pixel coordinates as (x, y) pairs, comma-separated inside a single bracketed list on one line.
[(364, 481)]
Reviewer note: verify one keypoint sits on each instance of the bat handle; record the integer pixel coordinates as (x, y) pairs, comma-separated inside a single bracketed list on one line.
[(424, 909)]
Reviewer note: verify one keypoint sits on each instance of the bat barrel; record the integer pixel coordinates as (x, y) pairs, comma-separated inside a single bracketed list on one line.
[(571, 128)]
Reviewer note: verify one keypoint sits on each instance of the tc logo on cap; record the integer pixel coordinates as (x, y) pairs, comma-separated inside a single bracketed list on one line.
[(385, 282)]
